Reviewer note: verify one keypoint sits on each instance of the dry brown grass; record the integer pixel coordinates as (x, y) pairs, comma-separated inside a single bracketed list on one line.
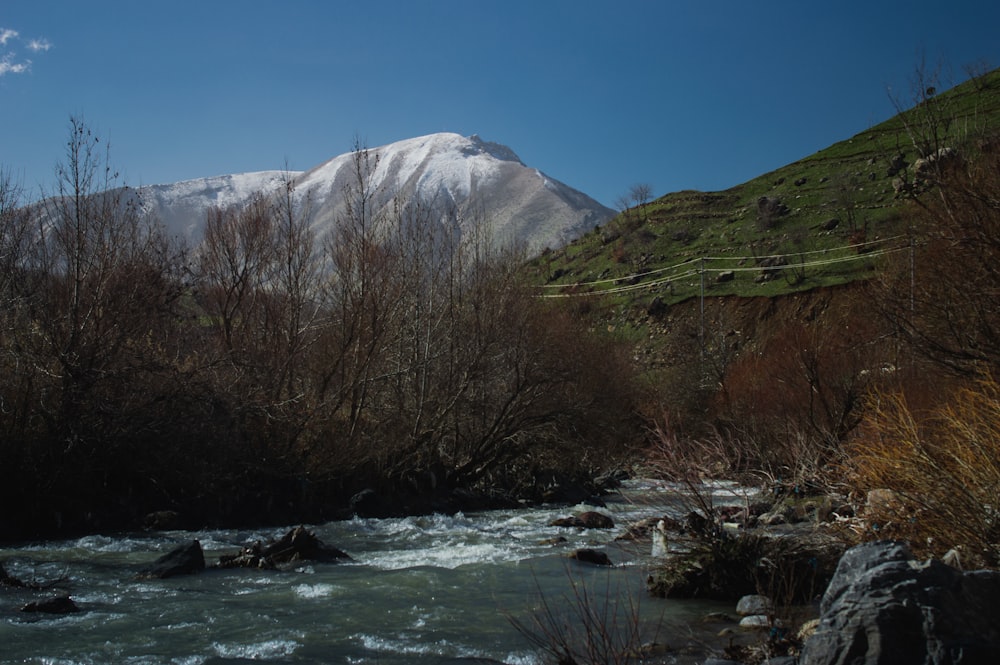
[(944, 467)]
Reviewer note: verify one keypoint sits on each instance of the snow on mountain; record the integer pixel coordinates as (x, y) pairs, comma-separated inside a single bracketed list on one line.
[(182, 206), (477, 177)]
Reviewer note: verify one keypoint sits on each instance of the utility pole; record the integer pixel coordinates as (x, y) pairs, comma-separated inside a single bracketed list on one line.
[(701, 325)]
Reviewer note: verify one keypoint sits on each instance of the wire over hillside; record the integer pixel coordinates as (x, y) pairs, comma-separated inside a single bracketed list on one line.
[(768, 265)]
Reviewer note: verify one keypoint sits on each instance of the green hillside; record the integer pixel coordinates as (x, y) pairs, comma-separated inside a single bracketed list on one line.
[(821, 221)]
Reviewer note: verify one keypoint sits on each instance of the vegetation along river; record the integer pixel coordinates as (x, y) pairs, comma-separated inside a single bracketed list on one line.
[(434, 589)]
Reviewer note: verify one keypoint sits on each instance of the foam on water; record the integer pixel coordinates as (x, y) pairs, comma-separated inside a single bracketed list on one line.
[(267, 650), (401, 644), (314, 590)]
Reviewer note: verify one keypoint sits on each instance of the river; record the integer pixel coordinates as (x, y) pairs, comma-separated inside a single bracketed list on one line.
[(433, 589)]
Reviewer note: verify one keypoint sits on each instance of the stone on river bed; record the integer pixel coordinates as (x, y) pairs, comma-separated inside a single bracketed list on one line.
[(185, 559), (587, 520), (56, 605)]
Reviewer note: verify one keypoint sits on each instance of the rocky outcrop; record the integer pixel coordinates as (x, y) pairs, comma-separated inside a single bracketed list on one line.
[(769, 209), (183, 560), (883, 607)]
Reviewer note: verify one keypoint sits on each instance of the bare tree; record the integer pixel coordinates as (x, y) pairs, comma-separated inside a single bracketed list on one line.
[(361, 298), (640, 193), (636, 198), (235, 257), (294, 284), (106, 272), (17, 226)]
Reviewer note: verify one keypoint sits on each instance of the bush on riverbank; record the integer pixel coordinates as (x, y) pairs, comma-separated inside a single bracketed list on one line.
[(943, 469)]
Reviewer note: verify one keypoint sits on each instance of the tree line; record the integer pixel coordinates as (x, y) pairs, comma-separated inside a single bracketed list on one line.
[(274, 370)]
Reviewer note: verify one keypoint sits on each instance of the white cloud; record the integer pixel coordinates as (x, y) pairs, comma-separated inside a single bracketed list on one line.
[(11, 61), (8, 66), (37, 45)]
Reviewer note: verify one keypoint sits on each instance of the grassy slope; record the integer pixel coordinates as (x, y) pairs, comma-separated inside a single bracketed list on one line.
[(678, 245)]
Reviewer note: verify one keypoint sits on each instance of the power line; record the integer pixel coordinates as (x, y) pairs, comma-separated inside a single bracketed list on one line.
[(857, 256)]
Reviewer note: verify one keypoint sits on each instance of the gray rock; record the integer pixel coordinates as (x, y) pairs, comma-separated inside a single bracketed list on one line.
[(596, 557), (7, 580), (753, 604), (57, 605), (755, 622), (772, 519), (782, 660), (882, 607), (725, 276), (368, 503), (297, 545), (587, 520), (183, 560)]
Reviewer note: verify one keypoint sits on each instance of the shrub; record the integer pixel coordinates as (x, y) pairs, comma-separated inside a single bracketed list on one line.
[(587, 626), (932, 294), (726, 567), (943, 465)]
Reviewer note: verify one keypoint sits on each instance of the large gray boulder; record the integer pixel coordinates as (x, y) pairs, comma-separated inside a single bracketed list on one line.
[(883, 607), (186, 559)]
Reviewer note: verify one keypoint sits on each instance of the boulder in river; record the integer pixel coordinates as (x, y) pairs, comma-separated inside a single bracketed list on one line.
[(251, 556), (369, 503), (8, 581), (299, 544), (185, 559), (56, 605), (590, 519), (596, 557)]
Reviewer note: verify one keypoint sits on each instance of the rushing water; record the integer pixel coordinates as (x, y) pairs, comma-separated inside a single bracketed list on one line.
[(435, 589)]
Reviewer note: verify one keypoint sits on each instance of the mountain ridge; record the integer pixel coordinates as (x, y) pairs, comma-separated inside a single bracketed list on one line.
[(476, 177)]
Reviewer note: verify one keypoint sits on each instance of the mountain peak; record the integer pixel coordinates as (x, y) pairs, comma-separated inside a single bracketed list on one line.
[(497, 150), (470, 175)]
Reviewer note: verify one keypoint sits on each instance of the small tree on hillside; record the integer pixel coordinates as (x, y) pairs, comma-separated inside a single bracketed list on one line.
[(636, 198)]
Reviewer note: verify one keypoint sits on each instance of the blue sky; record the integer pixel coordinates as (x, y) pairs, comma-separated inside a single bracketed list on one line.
[(696, 94)]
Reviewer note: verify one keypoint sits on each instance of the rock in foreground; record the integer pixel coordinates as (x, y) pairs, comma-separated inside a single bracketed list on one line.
[(882, 607)]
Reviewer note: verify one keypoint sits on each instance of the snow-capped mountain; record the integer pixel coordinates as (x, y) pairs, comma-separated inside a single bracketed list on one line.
[(476, 177), (181, 207)]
